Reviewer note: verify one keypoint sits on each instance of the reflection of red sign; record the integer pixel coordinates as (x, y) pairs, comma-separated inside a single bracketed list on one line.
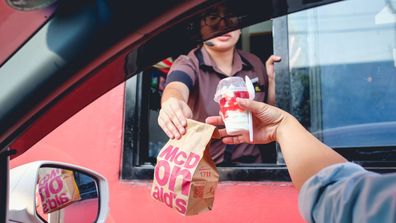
[(57, 189), (164, 65)]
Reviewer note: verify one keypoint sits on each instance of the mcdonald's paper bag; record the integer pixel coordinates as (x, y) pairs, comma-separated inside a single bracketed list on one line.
[(185, 176), (57, 189)]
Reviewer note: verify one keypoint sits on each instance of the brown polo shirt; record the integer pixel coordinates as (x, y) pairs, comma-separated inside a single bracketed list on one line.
[(199, 73)]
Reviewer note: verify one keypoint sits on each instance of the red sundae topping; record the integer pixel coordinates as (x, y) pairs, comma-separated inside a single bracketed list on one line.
[(228, 103)]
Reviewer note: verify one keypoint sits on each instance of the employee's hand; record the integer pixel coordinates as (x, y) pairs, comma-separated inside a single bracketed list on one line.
[(266, 120), (173, 117), (269, 65)]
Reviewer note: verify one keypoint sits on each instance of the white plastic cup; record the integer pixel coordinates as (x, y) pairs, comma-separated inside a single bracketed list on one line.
[(235, 118)]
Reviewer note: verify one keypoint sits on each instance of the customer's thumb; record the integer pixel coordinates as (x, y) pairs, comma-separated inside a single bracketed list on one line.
[(250, 105)]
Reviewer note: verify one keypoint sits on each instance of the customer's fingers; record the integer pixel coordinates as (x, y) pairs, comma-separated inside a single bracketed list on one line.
[(214, 120), (234, 139), (251, 105)]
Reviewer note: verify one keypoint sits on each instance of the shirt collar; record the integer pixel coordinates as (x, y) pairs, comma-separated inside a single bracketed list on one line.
[(206, 62)]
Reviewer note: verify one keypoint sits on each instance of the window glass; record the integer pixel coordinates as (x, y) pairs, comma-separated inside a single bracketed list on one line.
[(157, 137), (342, 72), (257, 39)]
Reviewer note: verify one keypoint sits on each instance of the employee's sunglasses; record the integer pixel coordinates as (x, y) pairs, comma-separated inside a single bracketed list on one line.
[(213, 20)]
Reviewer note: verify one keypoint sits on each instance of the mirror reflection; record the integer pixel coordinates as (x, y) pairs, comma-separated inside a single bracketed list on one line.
[(64, 195)]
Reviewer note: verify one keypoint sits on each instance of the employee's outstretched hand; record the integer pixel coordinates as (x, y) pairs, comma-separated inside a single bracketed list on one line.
[(266, 119), (173, 117)]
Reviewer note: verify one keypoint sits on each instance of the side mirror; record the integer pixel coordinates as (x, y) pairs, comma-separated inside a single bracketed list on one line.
[(46, 191)]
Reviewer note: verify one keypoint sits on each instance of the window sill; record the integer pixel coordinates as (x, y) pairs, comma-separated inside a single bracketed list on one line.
[(236, 173), (264, 172)]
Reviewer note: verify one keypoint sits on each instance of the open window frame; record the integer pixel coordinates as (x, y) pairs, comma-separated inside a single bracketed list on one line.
[(137, 166)]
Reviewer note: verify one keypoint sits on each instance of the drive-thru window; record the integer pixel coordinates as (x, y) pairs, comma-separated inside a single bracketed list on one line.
[(337, 77)]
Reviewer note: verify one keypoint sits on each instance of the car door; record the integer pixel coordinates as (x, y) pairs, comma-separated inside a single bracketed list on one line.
[(95, 65)]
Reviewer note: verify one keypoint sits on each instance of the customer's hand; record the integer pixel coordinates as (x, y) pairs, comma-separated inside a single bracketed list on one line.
[(173, 117), (266, 120)]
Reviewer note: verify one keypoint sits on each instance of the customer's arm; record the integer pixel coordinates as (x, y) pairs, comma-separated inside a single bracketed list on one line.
[(304, 154), (332, 190)]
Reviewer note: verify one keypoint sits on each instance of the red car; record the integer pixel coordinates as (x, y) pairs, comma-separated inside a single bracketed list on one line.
[(81, 82)]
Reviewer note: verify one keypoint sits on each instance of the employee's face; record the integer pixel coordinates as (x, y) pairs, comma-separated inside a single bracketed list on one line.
[(226, 41), (216, 21)]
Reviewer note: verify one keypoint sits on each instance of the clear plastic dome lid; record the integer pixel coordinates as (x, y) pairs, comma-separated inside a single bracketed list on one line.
[(228, 86)]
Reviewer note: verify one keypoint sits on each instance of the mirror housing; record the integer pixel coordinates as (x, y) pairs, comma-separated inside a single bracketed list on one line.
[(22, 190)]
